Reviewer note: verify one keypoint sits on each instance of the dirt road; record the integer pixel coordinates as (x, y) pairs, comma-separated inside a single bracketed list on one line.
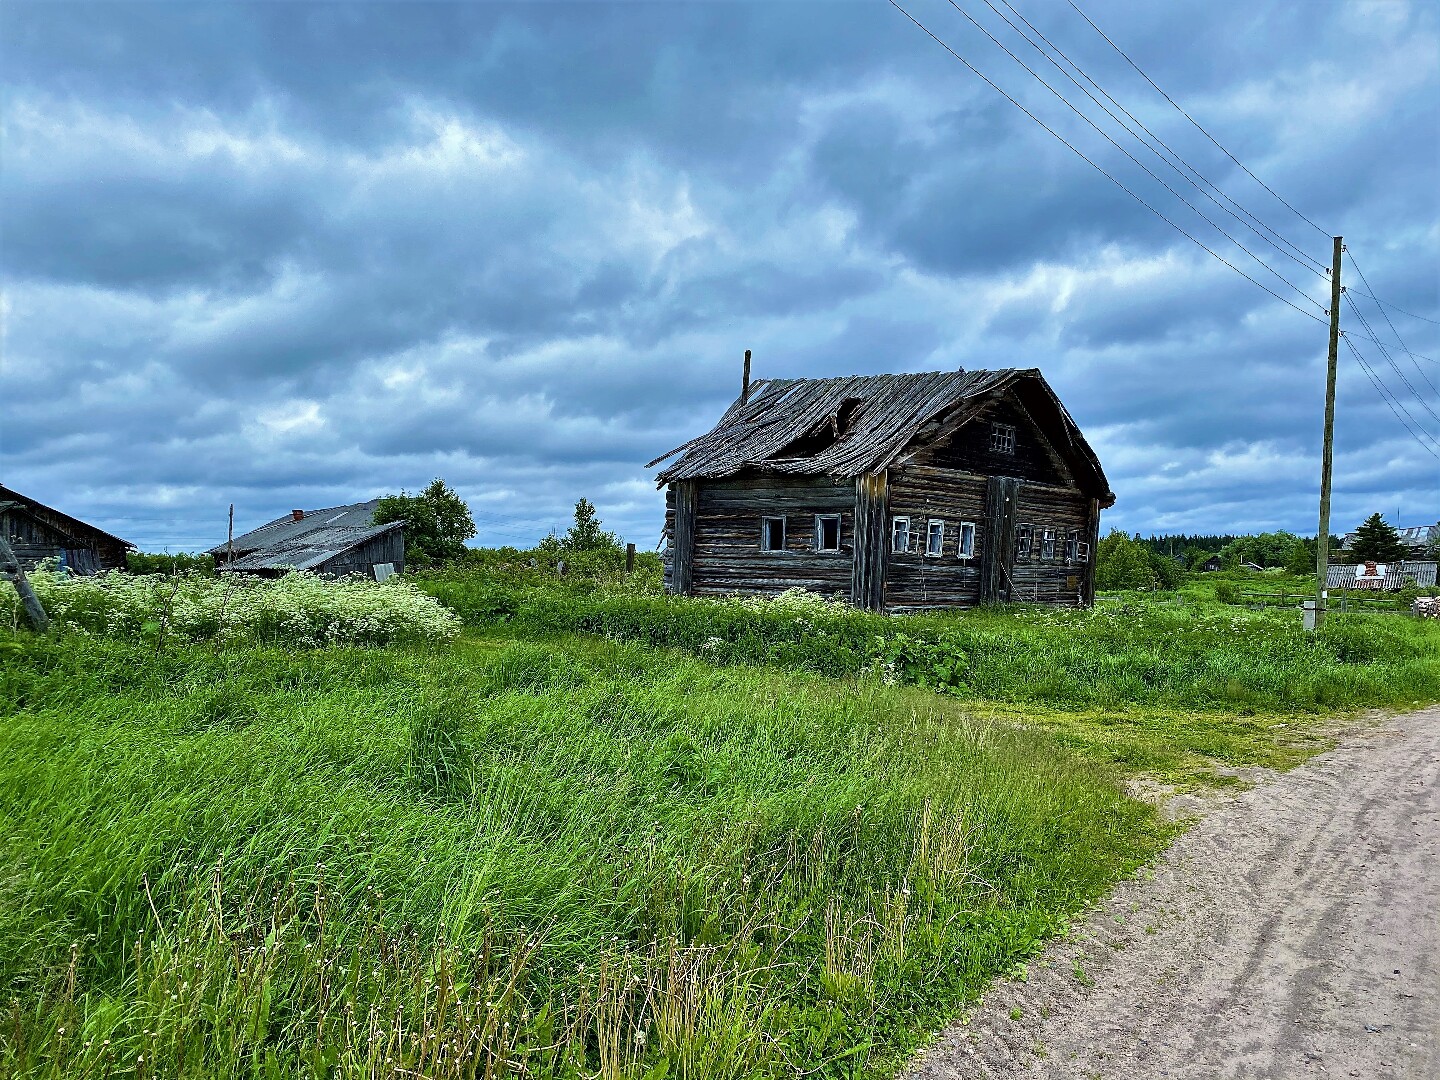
[(1293, 932)]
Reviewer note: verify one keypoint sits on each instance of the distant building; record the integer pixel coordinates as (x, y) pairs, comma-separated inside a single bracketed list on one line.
[(336, 541), (1387, 577), (37, 532), (1417, 538), (1210, 565)]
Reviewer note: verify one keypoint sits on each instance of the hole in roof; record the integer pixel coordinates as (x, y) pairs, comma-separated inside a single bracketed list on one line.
[(826, 433)]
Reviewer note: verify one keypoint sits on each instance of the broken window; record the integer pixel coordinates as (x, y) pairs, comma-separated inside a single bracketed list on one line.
[(1024, 540), (1047, 544), (772, 534), (1002, 438), (900, 534), (965, 542), (1072, 546), (935, 538), (827, 532)]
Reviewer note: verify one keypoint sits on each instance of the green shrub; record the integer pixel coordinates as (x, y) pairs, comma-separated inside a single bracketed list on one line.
[(297, 609)]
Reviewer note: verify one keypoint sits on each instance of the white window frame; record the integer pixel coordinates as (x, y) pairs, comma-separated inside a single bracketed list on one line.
[(1072, 546), (1047, 543), (896, 526), (1002, 438), (1024, 540), (934, 550), (965, 541), (820, 532), (1082, 552), (765, 533)]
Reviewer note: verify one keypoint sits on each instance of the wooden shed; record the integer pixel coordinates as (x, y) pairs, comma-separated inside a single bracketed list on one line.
[(896, 492), (335, 541), (37, 532)]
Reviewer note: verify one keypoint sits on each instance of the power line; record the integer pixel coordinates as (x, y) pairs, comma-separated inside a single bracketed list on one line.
[(1381, 306), (1391, 360), (1172, 101), (1388, 398), (1397, 308), (1300, 256), (1148, 172), (1068, 145)]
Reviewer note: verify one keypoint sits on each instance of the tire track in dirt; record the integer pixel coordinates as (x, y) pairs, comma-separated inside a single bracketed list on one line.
[(1293, 932)]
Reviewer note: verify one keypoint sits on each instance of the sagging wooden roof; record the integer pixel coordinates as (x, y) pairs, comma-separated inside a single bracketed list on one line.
[(846, 427), (306, 541)]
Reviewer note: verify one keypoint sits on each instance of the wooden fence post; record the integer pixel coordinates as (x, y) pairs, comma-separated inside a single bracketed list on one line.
[(629, 558), (10, 567)]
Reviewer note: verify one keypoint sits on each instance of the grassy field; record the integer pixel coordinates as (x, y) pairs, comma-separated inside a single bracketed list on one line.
[(537, 850)]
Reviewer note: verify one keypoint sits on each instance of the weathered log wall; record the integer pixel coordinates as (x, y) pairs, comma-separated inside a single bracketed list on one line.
[(1057, 579), (725, 555), (917, 581)]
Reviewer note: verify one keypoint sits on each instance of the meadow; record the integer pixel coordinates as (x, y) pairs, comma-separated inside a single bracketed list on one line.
[(601, 832)]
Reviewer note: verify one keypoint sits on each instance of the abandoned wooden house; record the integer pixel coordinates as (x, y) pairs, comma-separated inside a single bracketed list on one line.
[(38, 532), (337, 541), (896, 492)]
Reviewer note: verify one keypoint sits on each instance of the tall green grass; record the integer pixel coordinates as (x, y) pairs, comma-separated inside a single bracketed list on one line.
[(1194, 655), (486, 859)]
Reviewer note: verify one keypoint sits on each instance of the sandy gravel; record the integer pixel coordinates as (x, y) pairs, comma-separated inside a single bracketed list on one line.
[(1293, 932)]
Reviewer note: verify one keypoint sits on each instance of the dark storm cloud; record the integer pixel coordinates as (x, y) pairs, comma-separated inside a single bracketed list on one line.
[(296, 254)]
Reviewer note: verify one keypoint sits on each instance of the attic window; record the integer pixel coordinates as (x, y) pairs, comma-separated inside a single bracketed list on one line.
[(1002, 438)]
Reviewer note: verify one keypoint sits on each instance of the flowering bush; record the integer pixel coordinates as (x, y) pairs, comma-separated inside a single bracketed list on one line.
[(297, 609)]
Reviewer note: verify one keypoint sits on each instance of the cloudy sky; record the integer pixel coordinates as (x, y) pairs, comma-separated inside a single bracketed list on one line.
[(297, 254)]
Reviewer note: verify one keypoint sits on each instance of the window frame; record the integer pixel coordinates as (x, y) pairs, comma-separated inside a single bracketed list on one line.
[(962, 549), (765, 520), (1025, 540), (1048, 536), (1002, 438), (931, 525), (1072, 546), (820, 519), (895, 532)]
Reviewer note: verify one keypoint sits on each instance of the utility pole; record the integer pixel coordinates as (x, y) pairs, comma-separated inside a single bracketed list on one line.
[(1322, 538)]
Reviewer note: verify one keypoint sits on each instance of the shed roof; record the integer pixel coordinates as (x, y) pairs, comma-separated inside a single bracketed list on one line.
[(312, 549), (282, 531), (885, 413), (10, 499)]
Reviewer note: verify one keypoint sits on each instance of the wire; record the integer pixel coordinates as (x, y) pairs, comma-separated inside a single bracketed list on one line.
[(1301, 257), (1167, 97), (1391, 360), (1397, 308), (1148, 172), (1386, 397), (1381, 306), (929, 33)]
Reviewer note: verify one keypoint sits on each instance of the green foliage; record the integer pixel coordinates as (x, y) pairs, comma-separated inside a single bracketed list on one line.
[(297, 609), (1301, 560), (437, 522), (586, 549), (1377, 541), (1123, 563), (144, 562), (572, 861), (1187, 653)]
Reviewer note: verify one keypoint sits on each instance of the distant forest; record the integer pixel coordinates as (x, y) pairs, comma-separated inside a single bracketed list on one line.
[(1180, 543)]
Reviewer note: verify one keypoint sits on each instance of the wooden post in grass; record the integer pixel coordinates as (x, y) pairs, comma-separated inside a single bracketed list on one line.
[(1322, 534), (629, 558), (10, 567)]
